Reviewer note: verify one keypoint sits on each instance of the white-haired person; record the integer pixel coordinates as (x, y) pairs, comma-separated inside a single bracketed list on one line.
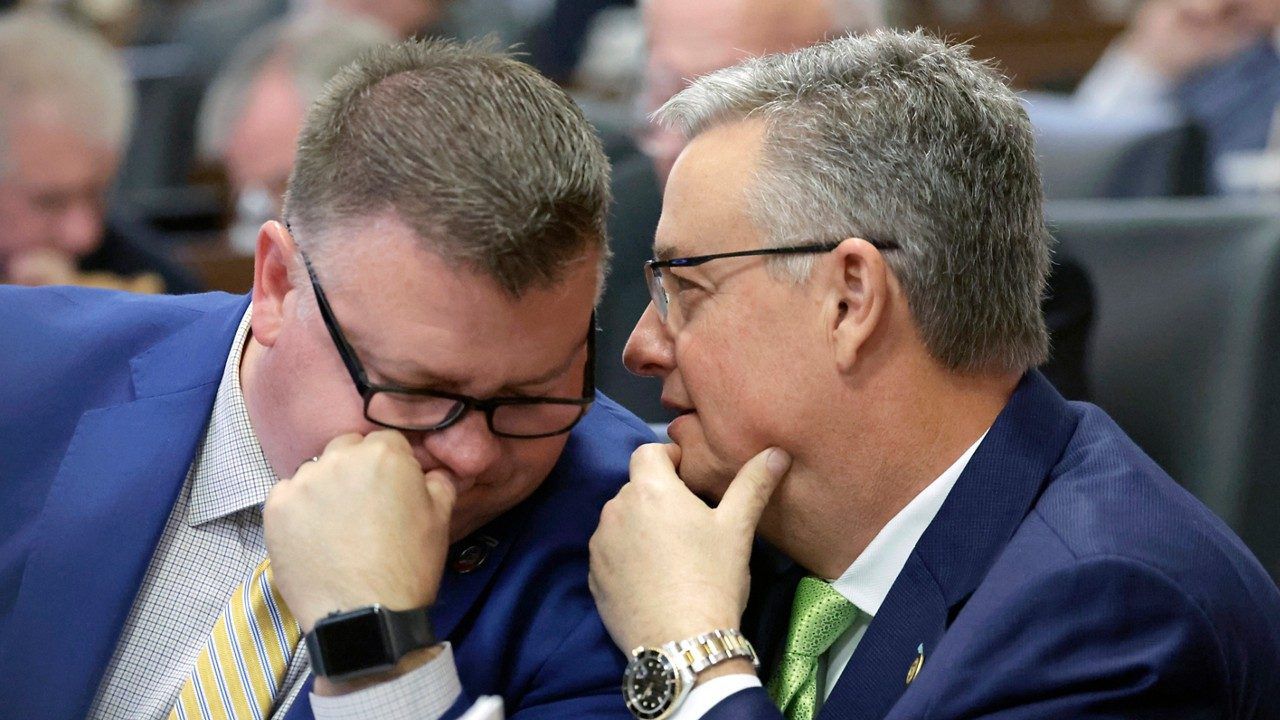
[(66, 107)]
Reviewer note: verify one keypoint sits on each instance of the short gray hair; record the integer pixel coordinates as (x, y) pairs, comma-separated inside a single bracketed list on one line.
[(490, 163), (900, 137), (313, 45), (46, 59)]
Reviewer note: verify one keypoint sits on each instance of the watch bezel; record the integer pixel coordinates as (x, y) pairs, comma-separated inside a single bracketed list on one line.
[(676, 679), (320, 642)]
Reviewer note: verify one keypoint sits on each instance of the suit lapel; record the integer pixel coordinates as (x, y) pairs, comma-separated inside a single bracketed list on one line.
[(913, 614), (103, 518), (991, 498)]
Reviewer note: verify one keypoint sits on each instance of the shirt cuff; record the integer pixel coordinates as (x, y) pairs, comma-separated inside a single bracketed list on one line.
[(425, 693), (705, 696), (1121, 83)]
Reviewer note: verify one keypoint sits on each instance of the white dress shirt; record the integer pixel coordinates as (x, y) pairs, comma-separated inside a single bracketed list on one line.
[(865, 584), (211, 543)]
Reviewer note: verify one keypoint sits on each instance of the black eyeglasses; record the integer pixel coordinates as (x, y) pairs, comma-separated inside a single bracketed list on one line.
[(660, 296), (418, 410)]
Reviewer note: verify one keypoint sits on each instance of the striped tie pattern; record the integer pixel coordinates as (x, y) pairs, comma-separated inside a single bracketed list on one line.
[(819, 616), (240, 671)]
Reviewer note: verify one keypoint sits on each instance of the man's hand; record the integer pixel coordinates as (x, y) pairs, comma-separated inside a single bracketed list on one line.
[(361, 525), (664, 565), (41, 266)]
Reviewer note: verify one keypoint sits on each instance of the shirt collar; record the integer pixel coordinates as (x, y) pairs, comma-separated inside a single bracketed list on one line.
[(867, 581), (230, 471)]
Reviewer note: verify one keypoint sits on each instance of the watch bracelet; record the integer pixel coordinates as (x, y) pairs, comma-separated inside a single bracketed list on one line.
[(708, 649), (415, 627)]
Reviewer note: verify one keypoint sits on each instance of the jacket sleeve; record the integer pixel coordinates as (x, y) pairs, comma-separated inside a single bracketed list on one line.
[(1106, 637)]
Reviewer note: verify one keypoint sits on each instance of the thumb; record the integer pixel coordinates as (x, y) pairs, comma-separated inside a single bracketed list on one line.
[(750, 491)]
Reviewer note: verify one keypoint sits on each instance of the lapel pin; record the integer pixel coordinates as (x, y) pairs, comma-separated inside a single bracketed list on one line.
[(473, 555), (916, 664)]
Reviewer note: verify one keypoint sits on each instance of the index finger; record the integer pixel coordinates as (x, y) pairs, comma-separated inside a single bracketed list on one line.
[(654, 462), (749, 493)]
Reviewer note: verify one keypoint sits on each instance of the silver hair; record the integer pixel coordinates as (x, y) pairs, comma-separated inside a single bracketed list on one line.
[(488, 162), (313, 45), (900, 137), (44, 59)]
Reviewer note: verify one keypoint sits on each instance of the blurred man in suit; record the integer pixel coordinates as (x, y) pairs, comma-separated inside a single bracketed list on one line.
[(251, 116), (392, 447), (687, 40), (845, 314), (65, 110), (1216, 62)]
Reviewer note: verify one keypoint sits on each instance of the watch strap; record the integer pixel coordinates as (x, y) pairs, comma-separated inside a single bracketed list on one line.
[(703, 651), (410, 630)]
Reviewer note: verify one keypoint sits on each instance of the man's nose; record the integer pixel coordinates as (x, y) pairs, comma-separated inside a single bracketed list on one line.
[(80, 228), (467, 448), (649, 350)]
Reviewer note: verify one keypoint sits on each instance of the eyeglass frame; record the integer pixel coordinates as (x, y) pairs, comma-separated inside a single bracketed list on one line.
[(653, 268), (467, 403)]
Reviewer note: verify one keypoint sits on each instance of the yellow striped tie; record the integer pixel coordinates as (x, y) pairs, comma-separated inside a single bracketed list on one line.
[(240, 671)]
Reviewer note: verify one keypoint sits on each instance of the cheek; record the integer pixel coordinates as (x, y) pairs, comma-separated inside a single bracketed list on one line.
[(519, 473), (22, 225), (323, 399)]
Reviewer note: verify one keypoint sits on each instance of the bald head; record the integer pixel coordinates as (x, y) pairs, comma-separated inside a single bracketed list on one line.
[(689, 39)]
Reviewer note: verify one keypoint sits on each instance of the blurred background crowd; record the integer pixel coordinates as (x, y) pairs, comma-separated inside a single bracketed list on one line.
[(143, 142)]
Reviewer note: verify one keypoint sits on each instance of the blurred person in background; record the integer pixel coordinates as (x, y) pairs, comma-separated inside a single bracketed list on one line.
[(405, 18), (65, 111), (251, 117), (1216, 62), (686, 40)]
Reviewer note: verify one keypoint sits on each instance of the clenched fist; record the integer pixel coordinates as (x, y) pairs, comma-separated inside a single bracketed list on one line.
[(359, 526)]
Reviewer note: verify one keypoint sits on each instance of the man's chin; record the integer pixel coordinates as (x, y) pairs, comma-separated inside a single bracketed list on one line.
[(703, 474)]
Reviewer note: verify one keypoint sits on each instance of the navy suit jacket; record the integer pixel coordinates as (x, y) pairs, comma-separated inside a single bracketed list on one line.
[(1066, 576), (1234, 101), (104, 399)]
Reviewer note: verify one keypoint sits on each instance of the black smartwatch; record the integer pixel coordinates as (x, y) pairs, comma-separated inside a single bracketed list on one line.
[(346, 645)]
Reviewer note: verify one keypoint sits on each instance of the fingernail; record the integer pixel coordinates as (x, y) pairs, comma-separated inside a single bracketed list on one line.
[(778, 461)]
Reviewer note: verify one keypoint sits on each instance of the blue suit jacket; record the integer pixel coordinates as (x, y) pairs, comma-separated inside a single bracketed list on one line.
[(1234, 101), (103, 401), (1065, 576)]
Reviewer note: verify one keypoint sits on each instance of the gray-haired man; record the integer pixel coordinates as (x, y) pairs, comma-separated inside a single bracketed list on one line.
[(392, 448), (845, 315), (66, 106)]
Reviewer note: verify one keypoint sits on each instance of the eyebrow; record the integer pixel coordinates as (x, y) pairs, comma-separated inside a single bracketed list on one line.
[(665, 252), (427, 380)]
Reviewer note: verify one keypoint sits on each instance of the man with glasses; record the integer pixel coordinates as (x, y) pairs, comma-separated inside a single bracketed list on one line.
[(685, 40), (845, 316), (363, 491)]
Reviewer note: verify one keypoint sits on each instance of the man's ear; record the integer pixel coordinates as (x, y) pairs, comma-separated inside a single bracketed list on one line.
[(859, 287), (271, 281)]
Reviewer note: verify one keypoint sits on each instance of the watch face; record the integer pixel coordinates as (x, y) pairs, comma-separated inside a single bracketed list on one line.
[(353, 642), (650, 685)]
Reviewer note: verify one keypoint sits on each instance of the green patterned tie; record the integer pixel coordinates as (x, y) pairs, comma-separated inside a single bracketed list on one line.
[(819, 616)]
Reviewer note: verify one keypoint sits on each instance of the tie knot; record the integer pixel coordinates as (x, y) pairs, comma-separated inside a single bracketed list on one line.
[(819, 616)]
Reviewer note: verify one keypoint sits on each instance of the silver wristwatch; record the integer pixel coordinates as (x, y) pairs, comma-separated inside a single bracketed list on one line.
[(657, 680)]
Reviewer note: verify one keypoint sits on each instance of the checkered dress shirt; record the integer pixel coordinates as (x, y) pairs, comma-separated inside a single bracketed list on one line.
[(211, 543)]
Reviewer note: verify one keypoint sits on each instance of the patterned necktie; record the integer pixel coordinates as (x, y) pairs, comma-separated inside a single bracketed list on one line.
[(819, 616), (239, 673)]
